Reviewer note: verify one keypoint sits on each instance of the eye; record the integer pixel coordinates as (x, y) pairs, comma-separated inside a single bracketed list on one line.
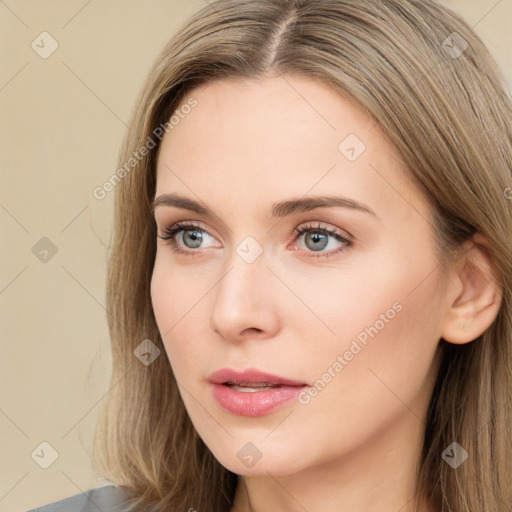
[(192, 235), (317, 239)]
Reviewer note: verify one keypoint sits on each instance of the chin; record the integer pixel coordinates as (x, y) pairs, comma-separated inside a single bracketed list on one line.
[(258, 459)]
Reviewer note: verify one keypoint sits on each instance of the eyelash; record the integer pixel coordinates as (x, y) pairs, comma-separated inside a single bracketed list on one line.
[(173, 230)]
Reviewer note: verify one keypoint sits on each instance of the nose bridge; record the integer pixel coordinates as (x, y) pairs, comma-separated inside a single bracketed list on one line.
[(246, 268), (242, 298)]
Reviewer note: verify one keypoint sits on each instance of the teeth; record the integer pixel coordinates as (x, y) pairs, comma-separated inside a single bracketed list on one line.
[(251, 389), (247, 387)]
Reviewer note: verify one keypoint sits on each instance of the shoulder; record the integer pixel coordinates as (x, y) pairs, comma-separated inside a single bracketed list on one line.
[(108, 498)]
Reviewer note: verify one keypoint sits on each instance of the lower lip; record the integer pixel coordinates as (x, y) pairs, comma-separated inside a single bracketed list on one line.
[(255, 403)]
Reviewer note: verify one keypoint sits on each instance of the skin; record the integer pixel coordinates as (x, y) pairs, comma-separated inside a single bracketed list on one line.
[(355, 445)]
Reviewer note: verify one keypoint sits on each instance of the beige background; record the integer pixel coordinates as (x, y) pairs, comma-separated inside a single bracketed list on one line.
[(62, 122)]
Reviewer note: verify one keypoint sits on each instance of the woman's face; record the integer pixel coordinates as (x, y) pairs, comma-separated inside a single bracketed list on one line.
[(354, 314)]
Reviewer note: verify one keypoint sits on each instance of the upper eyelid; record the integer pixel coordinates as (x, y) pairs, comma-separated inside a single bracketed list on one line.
[(187, 225), (306, 225), (325, 226)]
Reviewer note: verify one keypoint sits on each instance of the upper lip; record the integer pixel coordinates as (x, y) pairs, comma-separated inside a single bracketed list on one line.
[(251, 376)]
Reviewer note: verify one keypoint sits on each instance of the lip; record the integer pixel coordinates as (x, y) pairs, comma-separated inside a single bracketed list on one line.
[(253, 403), (252, 376)]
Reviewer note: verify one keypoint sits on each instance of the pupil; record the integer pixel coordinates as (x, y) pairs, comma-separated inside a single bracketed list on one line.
[(316, 237), (195, 236)]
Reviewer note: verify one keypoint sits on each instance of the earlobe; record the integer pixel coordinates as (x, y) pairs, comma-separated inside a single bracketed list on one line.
[(476, 293)]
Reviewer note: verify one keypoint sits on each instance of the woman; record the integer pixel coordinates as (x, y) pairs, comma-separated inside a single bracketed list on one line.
[(309, 287)]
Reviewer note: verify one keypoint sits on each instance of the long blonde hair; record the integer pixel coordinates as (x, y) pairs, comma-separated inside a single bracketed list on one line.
[(430, 83)]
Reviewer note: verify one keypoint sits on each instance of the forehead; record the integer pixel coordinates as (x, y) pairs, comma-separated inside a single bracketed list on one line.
[(278, 137), (287, 106)]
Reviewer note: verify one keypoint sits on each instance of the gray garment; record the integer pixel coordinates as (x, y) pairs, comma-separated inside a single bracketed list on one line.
[(108, 498)]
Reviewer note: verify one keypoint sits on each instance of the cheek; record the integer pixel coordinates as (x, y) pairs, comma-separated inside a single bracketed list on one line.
[(163, 299), (379, 380), (389, 305), (175, 303), (387, 336), (175, 292)]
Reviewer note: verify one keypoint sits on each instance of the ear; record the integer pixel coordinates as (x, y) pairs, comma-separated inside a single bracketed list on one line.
[(476, 294)]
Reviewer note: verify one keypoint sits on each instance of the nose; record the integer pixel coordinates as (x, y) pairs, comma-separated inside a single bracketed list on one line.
[(244, 304)]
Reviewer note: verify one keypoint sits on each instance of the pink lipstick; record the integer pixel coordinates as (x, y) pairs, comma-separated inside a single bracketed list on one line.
[(252, 392)]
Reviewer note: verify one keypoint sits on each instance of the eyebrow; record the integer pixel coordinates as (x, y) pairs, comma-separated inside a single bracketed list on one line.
[(281, 209)]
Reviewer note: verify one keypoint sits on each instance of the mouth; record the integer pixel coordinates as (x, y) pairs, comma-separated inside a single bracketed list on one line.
[(253, 392), (252, 379)]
